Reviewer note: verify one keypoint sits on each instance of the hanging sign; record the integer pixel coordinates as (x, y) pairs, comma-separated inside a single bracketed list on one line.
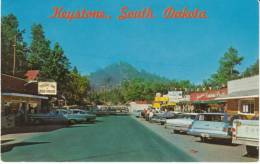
[(47, 88)]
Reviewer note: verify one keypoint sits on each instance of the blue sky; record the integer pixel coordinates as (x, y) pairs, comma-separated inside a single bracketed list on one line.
[(176, 48)]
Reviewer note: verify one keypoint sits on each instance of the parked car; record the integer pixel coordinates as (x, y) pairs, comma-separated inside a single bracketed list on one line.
[(78, 116), (211, 125), (137, 113), (182, 122), (169, 115), (246, 132), (99, 112), (56, 116), (157, 117)]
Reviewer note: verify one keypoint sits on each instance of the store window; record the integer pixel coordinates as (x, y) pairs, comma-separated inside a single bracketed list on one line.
[(247, 106)]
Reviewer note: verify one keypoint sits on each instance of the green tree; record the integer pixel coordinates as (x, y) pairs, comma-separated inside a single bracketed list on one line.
[(77, 89), (227, 68), (40, 48), (53, 64), (11, 36), (56, 67), (252, 70)]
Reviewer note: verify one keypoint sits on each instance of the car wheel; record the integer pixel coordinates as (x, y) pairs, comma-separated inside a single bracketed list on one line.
[(72, 122), (175, 131), (202, 139), (89, 120), (251, 150)]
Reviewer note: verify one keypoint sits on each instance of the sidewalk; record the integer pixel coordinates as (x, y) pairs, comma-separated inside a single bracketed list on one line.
[(16, 138), (19, 134)]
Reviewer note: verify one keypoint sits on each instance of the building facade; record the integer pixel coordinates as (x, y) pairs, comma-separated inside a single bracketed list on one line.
[(205, 101), (19, 97), (243, 96)]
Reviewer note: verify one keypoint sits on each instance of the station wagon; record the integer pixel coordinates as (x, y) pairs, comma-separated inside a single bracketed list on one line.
[(211, 125)]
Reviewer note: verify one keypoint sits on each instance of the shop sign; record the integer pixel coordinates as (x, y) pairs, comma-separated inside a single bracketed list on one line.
[(207, 95), (47, 88), (161, 99), (175, 94)]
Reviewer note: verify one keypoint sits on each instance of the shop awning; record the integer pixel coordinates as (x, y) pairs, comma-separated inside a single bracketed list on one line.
[(240, 95), (208, 102), (25, 95)]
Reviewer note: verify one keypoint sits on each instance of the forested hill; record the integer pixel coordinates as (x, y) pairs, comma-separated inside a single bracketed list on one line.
[(112, 75)]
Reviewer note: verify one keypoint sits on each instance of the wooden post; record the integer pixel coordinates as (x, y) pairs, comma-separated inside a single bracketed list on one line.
[(14, 45)]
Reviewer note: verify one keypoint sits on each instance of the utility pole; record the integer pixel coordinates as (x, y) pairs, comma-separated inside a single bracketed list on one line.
[(14, 45)]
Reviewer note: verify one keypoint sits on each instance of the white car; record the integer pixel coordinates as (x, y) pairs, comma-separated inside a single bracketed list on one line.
[(246, 132), (169, 115), (137, 113), (182, 123), (168, 122)]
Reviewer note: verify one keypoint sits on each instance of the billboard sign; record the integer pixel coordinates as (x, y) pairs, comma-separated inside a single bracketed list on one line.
[(207, 95)]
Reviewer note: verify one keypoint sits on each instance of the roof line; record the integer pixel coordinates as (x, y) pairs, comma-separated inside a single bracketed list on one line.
[(236, 97), (14, 77)]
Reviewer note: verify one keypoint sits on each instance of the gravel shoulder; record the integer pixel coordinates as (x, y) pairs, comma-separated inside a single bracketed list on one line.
[(213, 151)]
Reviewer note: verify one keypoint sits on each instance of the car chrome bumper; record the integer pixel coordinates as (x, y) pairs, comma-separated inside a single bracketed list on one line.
[(179, 128), (208, 135)]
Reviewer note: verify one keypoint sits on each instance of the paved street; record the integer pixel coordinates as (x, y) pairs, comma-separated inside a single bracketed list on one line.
[(111, 138), (118, 138)]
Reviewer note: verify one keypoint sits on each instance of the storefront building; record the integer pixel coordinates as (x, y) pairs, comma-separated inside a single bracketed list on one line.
[(184, 105), (19, 97), (160, 101), (205, 101), (243, 97), (173, 101)]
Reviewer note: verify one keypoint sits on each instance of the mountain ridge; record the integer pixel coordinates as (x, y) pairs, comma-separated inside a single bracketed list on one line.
[(114, 74)]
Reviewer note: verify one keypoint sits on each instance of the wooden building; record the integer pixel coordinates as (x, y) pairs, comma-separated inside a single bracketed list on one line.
[(19, 97)]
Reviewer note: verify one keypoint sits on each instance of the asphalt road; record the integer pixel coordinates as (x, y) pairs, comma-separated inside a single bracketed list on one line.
[(111, 138)]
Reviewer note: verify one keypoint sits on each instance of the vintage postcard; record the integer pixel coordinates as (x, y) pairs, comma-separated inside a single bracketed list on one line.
[(129, 80)]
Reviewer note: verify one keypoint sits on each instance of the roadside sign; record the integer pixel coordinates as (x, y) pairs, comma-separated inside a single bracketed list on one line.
[(47, 88)]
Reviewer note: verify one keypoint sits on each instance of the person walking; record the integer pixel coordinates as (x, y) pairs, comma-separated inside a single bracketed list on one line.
[(147, 115), (150, 115)]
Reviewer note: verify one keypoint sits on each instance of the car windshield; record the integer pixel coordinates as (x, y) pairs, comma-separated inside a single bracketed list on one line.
[(179, 116), (82, 112), (170, 113), (75, 111), (189, 116), (192, 117), (215, 118), (63, 112)]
